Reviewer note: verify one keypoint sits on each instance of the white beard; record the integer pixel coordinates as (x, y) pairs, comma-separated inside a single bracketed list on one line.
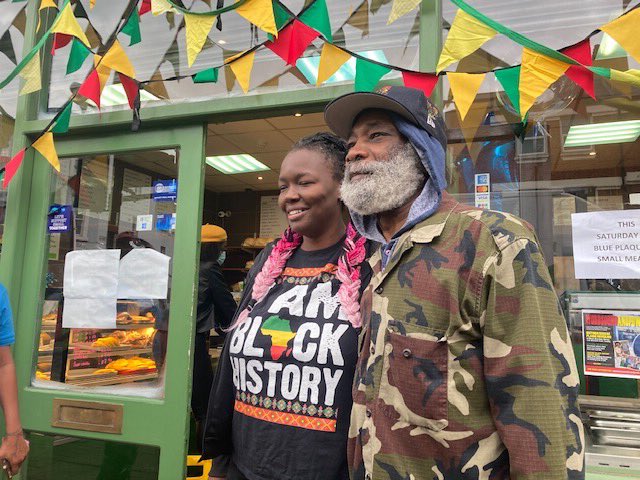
[(388, 184)]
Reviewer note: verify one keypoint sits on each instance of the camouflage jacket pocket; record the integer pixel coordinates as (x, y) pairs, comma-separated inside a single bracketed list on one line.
[(414, 379)]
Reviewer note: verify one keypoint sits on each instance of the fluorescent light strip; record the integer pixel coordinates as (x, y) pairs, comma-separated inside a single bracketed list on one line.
[(238, 163), (603, 133)]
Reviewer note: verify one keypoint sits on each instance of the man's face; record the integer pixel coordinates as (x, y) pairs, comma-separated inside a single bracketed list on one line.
[(383, 169)]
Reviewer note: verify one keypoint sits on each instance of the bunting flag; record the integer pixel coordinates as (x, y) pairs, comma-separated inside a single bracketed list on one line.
[(92, 3), (197, 30), (62, 122), (6, 47), (509, 78), (624, 30), (117, 60), (360, 18), (400, 8), (92, 88), (466, 35), (292, 41), (422, 81), (159, 7), (67, 23), (537, 74), (131, 88), (145, 7), (45, 146), (630, 76), (464, 89), (260, 13), (241, 68), (368, 74), (31, 75), (78, 55), (470, 125), (80, 12), (12, 167), (580, 75), (317, 17), (210, 75), (60, 40), (44, 4), (132, 28), (331, 59), (281, 16)]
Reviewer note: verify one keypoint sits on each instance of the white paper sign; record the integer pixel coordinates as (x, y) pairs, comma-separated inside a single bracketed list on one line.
[(89, 313), (272, 220), (144, 223), (144, 273), (606, 244)]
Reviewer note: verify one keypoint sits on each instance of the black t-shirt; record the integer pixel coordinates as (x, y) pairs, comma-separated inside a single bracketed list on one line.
[(293, 364)]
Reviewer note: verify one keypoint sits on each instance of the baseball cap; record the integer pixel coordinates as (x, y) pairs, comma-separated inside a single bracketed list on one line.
[(410, 103), (212, 233)]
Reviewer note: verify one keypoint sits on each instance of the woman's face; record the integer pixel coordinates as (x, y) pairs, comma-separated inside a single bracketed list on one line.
[(309, 192)]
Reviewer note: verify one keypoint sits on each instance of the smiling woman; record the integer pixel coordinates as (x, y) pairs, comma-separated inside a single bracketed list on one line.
[(284, 376)]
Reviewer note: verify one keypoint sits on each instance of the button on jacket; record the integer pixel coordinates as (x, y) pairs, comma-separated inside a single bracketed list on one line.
[(466, 369)]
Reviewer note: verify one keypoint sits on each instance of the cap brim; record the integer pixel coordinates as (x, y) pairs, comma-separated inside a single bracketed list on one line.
[(342, 112)]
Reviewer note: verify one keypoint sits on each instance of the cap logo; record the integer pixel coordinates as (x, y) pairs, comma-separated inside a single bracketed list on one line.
[(432, 113), (384, 90)]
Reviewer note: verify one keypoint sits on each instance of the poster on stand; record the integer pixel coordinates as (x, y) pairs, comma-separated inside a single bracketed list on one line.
[(611, 340)]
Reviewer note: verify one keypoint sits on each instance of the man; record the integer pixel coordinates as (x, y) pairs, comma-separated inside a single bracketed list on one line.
[(466, 369), (14, 447)]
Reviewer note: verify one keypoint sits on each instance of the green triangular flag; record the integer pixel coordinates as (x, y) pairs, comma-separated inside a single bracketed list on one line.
[(80, 12), (210, 75), (62, 123), (368, 75), (78, 55), (281, 16), (509, 78), (132, 27), (317, 17)]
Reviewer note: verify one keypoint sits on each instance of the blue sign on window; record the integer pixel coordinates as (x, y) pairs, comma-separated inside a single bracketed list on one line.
[(165, 190), (59, 218)]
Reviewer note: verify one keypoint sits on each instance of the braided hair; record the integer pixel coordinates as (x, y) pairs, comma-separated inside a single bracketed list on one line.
[(332, 147)]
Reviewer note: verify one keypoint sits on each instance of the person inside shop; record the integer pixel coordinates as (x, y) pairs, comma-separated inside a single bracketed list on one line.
[(281, 399), (14, 447), (466, 368)]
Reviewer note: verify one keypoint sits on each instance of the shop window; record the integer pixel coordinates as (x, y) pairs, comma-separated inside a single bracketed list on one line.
[(13, 21), (106, 307), (161, 55)]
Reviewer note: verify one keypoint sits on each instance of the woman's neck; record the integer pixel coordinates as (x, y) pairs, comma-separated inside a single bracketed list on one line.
[(330, 236)]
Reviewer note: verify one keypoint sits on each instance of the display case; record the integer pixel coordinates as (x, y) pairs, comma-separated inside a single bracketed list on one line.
[(98, 357)]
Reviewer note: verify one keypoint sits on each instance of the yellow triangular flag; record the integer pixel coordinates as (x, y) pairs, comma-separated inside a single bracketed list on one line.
[(331, 59), (47, 149), (31, 75), (400, 8), (161, 6), (260, 13), (197, 28), (464, 89), (117, 60), (476, 115), (466, 35), (624, 30), (538, 72), (630, 76), (92, 3), (67, 24), (242, 70), (43, 5), (104, 72)]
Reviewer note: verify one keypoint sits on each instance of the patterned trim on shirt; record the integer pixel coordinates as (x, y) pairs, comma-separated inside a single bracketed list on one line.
[(286, 418)]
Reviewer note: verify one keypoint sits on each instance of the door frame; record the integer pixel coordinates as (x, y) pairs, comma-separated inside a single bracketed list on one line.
[(162, 423)]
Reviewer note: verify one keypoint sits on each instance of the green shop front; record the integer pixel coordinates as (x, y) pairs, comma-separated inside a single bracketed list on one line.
[(184, 137)]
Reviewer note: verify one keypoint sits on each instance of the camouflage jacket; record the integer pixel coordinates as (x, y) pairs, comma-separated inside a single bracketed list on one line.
[(466, 368)]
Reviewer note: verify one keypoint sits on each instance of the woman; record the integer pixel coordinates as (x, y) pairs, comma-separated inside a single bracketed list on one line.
[(280, 404)]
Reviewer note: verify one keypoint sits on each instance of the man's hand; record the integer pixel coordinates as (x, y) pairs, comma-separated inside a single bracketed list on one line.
[(14, 449)]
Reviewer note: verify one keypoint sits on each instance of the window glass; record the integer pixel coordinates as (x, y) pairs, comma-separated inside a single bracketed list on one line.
[(161, 55)]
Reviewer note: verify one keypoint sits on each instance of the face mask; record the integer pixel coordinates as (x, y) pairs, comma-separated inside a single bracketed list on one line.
[(222, 257)]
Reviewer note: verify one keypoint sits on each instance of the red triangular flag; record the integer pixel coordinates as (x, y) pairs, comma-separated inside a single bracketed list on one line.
[(422, 81), (292, 41), (145, 7), (60, 40), (582, 76), (11, 167), (91, 88), (131, 88)]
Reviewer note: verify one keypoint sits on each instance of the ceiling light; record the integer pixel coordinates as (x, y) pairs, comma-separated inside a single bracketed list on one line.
[(115, 95), (609, 48), (347, 72), (259, 178), (297, 114), (592, 154), (222, 42), (232, 164), (602, 133)]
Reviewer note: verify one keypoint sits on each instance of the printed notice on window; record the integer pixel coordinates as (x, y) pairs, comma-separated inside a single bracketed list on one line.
[(611, 342), (606, 244)]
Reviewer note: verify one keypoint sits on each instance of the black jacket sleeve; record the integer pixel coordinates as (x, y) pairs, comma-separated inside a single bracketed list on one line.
[(223, 303)]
